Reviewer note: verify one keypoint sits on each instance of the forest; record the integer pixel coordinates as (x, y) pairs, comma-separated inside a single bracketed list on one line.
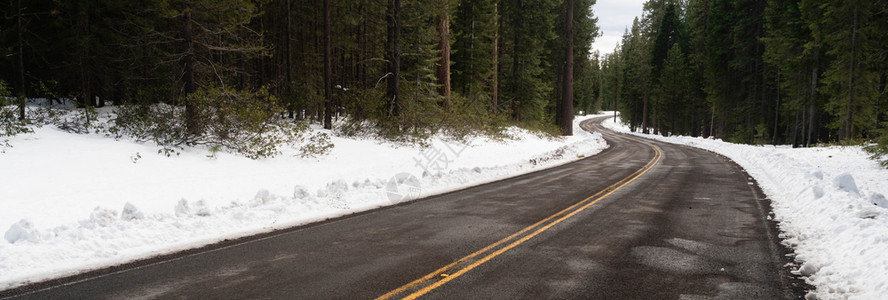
[(210, 71), (799, 72)]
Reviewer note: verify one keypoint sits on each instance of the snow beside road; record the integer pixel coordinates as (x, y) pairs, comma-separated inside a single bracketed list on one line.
[(831, 208), (76, 202)]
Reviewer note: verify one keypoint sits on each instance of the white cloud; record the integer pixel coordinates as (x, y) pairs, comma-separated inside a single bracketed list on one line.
[(614, 16)]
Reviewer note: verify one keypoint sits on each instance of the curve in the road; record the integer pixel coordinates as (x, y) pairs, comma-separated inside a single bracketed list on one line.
[(443, 275), (640, 220)]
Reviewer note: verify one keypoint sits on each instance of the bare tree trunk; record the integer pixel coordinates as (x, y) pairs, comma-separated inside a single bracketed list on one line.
[(672, 115), (362, 45), (814, 95), (712, 121), (567, 95), (776, 110), (289, 63), (795, 131), (644, 113), (22, 94), (494, 81), (850, 102), (190, 115), (82, 29), (444, 62), (516, 64), (394, 35), (328, 70)]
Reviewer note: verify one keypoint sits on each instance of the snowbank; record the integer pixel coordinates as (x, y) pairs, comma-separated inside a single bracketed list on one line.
[(831, 208), (76, 202)]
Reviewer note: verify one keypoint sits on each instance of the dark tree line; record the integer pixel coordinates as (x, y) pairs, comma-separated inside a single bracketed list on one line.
[(397, 64), (797, 72)]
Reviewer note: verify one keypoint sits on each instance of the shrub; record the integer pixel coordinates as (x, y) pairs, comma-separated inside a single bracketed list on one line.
[(10, 125), (879, 150), (245, 122)]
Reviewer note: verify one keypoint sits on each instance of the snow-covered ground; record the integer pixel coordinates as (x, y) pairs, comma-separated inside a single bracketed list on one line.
[(831, 208), (76, 202)]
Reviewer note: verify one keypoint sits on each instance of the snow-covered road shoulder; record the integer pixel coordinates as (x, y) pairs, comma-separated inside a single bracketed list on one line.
[(831, 209), (78, 202)]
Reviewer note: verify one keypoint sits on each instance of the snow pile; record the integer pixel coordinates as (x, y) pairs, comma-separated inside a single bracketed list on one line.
[(22, 231), (76, 202), (831, 208)]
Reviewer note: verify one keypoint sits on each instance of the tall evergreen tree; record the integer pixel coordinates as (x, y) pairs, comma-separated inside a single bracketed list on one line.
[(475, 32), (852, 79), (527, 28)]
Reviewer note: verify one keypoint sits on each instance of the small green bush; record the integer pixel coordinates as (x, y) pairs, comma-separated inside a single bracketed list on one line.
[(317, 145), (879, 150), (245, 122), (10, 125)]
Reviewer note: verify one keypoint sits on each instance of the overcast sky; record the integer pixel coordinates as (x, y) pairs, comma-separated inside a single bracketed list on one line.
[(614, 16)]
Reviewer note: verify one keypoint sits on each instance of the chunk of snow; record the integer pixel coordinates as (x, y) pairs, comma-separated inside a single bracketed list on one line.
[(201, 208), (263, 196), (845, 182), (808, 269), (811, 296), (22, 231), (182, 208), (131, 212), (337, 187), (300, 192), (101, 217)]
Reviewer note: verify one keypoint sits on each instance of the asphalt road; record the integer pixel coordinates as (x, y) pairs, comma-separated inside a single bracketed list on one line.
[(640, 220)]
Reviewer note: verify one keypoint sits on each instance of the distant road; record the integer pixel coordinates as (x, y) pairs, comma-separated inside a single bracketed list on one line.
[(640, 220)]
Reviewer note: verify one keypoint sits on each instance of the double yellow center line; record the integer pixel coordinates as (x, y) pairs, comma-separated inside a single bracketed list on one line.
[(453, 270)]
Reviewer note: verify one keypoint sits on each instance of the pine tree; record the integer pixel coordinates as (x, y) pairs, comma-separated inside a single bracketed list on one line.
[(852, 79), (474, 34), (527, 28), (674, 86)]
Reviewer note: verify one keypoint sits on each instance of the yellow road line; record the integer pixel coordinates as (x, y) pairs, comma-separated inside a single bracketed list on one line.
[(570, 212)]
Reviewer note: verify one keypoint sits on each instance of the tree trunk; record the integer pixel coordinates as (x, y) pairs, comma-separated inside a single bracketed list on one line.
[(82, 29), (328, 70), (22, 94), (289, 63), (776, 110), (672, 115), (494, 81), (848, 117), (516, 65), (712, 122), (567, 100), (814, 78), (644, 113), (444, 62), (363, 48), (795, 131), (394, 36), (190, 115)]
